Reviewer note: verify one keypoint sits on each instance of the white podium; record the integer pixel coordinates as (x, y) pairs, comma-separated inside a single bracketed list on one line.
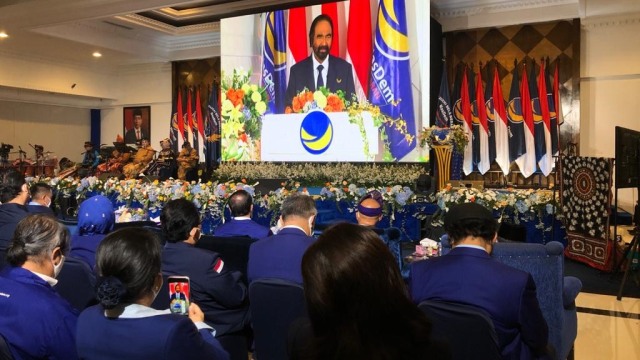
[(317, 136)]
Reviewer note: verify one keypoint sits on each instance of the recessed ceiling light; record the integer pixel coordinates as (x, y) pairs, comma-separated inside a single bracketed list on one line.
[(3, 35), (97, 54)]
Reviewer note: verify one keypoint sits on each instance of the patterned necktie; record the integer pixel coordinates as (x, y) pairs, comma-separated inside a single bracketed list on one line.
[(320, 82)]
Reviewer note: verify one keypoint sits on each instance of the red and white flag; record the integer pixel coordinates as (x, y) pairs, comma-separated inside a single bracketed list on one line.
[(485, 163), (189, 117), (546, 161), (467, 165), (501, 128), (200, 120), (527, 161), (297, 40), (359, 45), (557, 102)]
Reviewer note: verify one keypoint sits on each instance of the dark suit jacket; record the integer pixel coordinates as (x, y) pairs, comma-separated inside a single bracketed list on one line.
[(279, 256), (242, 228), (222, 296), (40, 209), (84, 247), (303, 75), (155, 337), (470, 276), (130, 136)]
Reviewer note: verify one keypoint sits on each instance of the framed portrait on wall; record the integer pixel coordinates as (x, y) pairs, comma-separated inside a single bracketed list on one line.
[(136, 124)]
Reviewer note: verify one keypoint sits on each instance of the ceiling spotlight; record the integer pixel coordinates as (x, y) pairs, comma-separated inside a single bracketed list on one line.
[(3, 35), (97, 54)]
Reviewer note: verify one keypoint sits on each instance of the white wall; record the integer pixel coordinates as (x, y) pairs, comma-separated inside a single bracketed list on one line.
[(609, 87)]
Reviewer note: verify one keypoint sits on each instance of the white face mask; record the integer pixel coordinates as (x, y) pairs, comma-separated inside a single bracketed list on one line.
[(57, 268)]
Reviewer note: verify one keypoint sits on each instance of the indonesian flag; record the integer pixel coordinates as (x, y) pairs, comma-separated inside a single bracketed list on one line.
[(190, 133), (527, 161), (331, 9), (501, 127), (546, 161), (467, 165), (297, 41), (359, 45), (484, 164)]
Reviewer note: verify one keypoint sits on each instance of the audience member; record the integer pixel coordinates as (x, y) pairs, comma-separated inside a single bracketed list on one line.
[(357, 302), (124, 326), (36, 322), (468, 275), (279, 256), (41, 197), (14, 194), (95, 219), (219, 292), (241, 206)]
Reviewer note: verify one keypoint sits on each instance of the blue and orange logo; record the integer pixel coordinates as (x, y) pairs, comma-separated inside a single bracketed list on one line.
[(316, 132)]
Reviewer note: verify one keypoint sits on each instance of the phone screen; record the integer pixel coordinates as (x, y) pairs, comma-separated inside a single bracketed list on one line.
[(179, 294)]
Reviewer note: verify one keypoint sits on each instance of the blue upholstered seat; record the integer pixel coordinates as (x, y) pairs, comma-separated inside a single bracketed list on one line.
[(556, 292)]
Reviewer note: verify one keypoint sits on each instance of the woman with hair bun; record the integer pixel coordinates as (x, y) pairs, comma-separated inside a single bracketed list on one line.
[(124, 326), (35, 321)]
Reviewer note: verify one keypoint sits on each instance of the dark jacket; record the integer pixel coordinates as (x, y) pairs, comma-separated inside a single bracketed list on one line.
[(303, 75), (219, 292), (246, 227), (10, 216)]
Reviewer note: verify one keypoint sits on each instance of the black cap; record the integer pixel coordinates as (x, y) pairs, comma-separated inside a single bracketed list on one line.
[(467, 211), (88, 143)]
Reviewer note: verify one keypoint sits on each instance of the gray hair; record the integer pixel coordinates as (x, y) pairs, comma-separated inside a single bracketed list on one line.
[(36, 236), (298, 205)]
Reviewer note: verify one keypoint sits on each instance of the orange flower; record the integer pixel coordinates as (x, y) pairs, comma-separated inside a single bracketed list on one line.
[(288, 110), (309, 96), (297, 107), (244, 181)]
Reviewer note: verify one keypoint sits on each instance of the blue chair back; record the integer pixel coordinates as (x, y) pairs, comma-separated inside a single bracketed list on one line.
[(234, 250), (468, 330), (76, 283), (275, 304)]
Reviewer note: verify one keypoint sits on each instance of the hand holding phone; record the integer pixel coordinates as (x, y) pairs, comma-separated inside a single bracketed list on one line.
[(195, 313), (179, 294)]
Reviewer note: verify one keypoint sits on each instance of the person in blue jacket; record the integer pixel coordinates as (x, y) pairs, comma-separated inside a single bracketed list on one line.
[(219, 291), (14, 194), (468, 275), (279, 256), (124, 326), (95, 220), (35, 321), (241, 206)]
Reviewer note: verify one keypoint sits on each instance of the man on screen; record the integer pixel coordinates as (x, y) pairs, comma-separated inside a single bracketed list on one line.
[(321, 69)]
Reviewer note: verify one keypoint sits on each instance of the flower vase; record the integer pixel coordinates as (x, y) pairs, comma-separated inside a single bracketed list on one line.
[(443, 159)]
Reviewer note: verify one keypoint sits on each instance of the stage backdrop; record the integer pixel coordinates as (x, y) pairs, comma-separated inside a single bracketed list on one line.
[(558, 40)]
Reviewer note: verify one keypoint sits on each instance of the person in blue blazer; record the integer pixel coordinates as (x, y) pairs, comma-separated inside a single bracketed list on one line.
[(468, 275), (35, 321), (241, 207), (14, 194), (124, 326), (41, 195), (321, 69), (220, 292), (279, 256)]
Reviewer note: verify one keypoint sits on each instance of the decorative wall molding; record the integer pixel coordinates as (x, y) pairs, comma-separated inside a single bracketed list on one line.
[(610, 21), (452, 9)]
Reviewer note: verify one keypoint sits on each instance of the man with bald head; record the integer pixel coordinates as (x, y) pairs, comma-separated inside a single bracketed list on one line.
[(370, 209)]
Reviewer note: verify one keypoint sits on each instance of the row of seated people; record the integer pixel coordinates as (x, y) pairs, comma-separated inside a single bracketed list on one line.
[(347, 280), (129, 162)]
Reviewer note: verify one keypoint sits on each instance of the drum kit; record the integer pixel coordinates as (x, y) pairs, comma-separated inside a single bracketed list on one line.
[(45, 162)]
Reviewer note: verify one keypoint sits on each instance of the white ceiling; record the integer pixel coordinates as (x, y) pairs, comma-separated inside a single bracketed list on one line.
[(69, 31)]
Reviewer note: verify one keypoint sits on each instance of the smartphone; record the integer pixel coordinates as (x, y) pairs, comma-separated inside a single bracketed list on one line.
[(179, 294)]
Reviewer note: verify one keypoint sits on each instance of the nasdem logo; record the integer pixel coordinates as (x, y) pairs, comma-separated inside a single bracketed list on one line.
[(316, 132)]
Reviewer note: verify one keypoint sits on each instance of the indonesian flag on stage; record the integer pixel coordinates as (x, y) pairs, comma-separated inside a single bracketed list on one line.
[(200, 121), (484, 164), (546, 161), (527, 161), (501, 126), (297, 40), (191, 136), (359, 45), (467, 165)]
